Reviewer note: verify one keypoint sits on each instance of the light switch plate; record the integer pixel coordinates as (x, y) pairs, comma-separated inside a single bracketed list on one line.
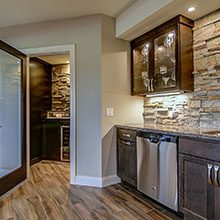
[(109, 112)]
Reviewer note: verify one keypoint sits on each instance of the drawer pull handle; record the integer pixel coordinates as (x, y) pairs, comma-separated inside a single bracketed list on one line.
[(209, 166), (215, 181), (126, 135), (126, 143), (152, 85)]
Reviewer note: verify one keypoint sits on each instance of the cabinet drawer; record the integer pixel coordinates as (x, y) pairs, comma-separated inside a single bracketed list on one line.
[(125, 134), (126, 143), (203, 149)]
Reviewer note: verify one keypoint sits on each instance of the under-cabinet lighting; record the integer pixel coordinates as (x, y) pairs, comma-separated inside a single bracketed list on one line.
[(191, 9), (164, 94)]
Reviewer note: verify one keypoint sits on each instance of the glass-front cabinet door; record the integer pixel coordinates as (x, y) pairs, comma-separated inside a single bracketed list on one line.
[(165, 61), (141, 73), (12, 117)]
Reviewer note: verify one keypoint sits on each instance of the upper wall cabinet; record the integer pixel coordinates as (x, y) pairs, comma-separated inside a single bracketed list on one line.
[(162, 59)]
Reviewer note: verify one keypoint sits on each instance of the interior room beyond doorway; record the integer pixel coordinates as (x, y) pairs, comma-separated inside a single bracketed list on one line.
[(49, 108)]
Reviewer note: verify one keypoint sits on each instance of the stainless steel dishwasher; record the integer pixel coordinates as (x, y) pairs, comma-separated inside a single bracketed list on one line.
[(157, 168)]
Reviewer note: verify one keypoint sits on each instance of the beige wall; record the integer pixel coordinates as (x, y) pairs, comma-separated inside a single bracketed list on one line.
[(86, 34), (115, 93), (102, 80)]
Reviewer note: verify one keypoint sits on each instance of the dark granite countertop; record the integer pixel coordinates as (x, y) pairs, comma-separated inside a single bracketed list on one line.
[(180, 131)]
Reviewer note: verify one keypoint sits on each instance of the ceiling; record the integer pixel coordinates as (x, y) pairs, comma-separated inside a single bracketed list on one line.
[(31, 11), (56, 59), (133, 17), (144, 15)]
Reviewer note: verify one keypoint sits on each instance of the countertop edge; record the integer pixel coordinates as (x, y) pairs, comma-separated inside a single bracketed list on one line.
[(173, 133)]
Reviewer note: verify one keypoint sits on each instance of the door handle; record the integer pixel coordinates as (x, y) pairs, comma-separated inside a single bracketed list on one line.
[(126, 135), (151, 85), (215, 181), (209, 166), (126, 142)]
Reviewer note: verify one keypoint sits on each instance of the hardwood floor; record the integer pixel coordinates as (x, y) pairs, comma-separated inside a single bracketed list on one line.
[(48, 195)]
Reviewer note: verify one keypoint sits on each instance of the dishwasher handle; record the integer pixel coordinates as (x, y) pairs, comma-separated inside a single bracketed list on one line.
[(154, 140)]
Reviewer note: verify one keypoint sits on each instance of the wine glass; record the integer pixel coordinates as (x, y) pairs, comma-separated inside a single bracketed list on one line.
[(166, 79), (145, 52)]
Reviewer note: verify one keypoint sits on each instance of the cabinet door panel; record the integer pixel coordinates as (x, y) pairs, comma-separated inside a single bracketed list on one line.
[(140, 68), (121, 160), (216, 196), (165, 60), (195, 187), (51, 141), (216, 203), (127, 161)]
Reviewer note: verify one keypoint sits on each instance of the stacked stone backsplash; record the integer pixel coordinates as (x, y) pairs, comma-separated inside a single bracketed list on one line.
[(201, 107), (61, 88)]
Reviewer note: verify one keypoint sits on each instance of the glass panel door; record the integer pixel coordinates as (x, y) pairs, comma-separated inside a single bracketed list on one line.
[(141, 76), (10, 113), (165, 60), (12, 118)]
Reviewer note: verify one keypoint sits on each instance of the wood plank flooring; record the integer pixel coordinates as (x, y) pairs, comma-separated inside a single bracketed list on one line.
[(47, 195)]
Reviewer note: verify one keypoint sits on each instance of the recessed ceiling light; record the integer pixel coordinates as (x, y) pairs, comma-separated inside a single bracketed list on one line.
[(191, 9)]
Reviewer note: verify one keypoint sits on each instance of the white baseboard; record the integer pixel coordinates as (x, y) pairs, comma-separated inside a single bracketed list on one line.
[(110, 180), (96, 181), (88, 181)]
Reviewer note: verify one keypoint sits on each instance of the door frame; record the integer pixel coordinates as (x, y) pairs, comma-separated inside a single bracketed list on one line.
[(53, 50)]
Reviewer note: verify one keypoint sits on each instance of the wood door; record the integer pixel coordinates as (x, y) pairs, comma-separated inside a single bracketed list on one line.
[(195, 191), (127, 161), (40, 103), (12, 117)]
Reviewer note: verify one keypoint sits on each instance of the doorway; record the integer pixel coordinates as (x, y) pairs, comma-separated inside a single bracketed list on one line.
[(49, 108), (45, 53)]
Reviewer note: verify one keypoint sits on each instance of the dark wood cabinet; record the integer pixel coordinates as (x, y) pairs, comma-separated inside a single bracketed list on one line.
[(199, 180), (52, 138), (127, 156), (216, 200), (162, 59)]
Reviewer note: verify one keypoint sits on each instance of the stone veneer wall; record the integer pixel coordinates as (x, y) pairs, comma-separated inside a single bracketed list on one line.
[(61, 87), (202, 107)]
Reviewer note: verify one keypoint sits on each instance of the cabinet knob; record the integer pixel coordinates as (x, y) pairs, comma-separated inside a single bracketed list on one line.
[(215, 181), (126, 135), (209, 166), (126, 142)]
